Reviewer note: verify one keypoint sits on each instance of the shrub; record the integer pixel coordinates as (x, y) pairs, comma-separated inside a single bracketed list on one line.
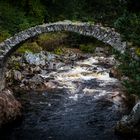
[(29, 47), (138, 51), (89, 48), (58, 51), (4, 35), (16, 18), (129, 26), (52, 36), (131, 69)]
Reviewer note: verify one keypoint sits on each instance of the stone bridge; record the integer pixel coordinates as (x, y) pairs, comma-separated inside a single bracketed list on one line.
[(104, 34)]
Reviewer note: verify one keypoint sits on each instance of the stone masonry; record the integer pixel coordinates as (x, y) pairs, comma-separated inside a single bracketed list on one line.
[(104, 34)]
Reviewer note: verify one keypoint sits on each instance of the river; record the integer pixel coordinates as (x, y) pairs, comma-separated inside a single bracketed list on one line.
[(82, 103)]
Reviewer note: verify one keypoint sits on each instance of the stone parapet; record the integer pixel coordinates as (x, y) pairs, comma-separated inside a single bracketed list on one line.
[(107, 35)]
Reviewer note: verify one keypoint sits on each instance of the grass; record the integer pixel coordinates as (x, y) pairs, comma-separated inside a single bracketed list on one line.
[(4, 35), (51, 36), (29, 47), (87, 48)]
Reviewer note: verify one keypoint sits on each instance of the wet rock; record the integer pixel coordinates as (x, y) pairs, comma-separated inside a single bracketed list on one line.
[(114, 72), (111, 60), (59, 65), (17, 75), (36, 79), (124, 78), (36, 69), (22, 85), (35, 59), (50, 85), (99, 50), (16, 58), (43, 72), (130, 124), (51, 65), (8, 74), (24, 81), (50, 56), (10, 108)]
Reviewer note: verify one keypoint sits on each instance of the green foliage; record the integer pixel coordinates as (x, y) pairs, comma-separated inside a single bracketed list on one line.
[(88, 48), (15, 19), (24, 25), (129, 26), (138, 51), (16, 65), (104, 11), (51, 41), (10, 17), (4, 34), (58, 51), (52, 36), (36, 9), (131, 69), (29, 47)]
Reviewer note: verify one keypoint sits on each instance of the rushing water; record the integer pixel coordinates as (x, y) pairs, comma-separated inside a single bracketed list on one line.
[(82, 103)]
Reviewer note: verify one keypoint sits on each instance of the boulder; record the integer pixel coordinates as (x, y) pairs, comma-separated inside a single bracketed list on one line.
[(36, 69), (37, 79), (35, 59), (50, 85), (130, 123), (99, 50), (10, 108), (17, 75)]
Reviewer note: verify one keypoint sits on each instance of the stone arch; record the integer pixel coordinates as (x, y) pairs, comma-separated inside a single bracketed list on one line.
[(104, 34)]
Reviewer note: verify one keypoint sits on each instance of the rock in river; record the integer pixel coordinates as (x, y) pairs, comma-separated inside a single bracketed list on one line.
[(9, 107), (129, 124)]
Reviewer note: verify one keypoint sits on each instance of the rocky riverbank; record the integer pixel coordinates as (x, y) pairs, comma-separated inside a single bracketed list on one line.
[(10, 108), (71, 70), (30, 71), (73, 88)]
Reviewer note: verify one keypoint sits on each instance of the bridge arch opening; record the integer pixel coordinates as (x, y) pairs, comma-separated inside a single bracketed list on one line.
[(106, 35)]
